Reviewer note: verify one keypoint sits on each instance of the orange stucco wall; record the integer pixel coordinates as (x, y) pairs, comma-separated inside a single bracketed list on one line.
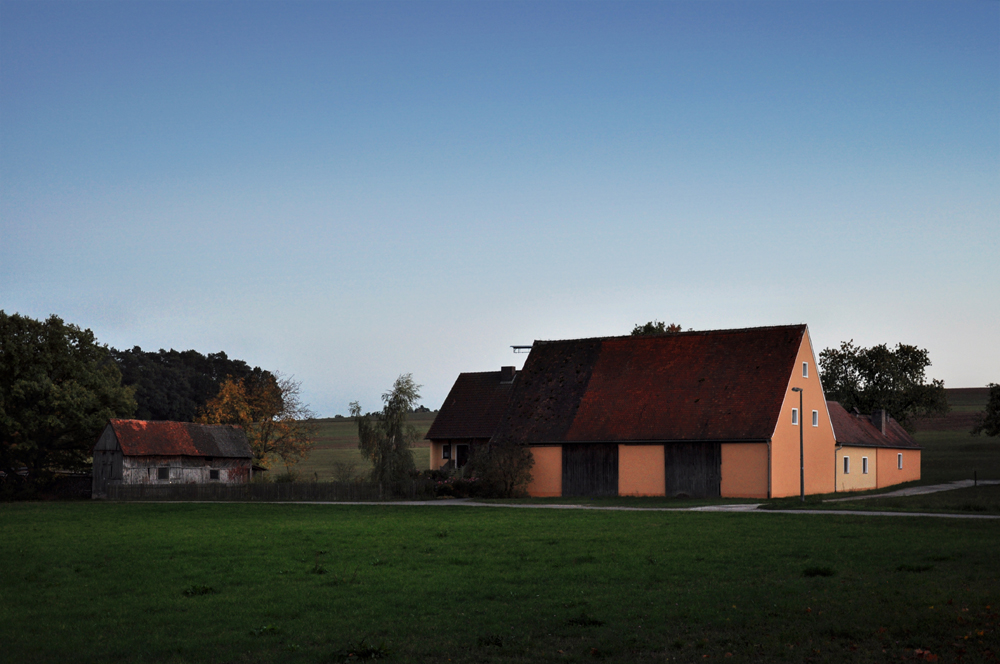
[(818, 441), (546, 474), (888, 470), (436, 460), (744, 470), (640, 470), (856, 479)]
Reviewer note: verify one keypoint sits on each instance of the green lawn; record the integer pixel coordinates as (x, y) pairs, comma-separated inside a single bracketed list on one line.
[(949, 452), (104, 582), (955, 455), (972, 500)]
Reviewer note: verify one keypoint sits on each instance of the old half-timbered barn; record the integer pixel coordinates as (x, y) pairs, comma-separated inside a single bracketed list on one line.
[(873, 451), (709, 413), (144, 452), (469, 416)]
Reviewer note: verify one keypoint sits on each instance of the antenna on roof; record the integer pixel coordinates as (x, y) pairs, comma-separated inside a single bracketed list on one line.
[(521, 349)]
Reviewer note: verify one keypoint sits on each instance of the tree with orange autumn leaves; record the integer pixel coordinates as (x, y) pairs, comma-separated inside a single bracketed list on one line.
[(269, 409)]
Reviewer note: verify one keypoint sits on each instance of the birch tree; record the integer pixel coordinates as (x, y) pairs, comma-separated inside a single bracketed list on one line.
[(385, 438)]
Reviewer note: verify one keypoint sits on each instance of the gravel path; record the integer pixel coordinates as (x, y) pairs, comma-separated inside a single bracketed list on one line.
[(917, 490)]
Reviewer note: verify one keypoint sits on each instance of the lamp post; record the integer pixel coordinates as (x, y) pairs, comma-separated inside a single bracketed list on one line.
[(802, 465)]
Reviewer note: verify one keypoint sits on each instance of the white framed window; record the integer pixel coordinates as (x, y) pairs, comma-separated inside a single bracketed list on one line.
[(805, 369), (446, 451), (795, 416), (899, 461), (847, 465), (815, 418), (864, 465)]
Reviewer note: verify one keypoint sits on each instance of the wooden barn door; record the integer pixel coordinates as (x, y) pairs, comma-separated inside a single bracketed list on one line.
[(693, 469), (590, 469)]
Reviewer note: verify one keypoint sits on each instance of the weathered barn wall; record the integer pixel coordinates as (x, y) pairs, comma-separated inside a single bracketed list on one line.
[(692, 470), (590, 469), (184, 470), (640, 470), (107, 463), (744, 470)]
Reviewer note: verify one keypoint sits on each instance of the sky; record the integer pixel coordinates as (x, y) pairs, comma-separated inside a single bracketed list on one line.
[(346, 192)]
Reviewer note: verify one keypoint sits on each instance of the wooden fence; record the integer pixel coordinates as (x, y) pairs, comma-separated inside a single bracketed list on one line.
[(266, 492)]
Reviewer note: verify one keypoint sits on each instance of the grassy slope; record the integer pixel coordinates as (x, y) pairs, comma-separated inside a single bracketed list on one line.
[(337, 441), (950, 453), (105, 582)]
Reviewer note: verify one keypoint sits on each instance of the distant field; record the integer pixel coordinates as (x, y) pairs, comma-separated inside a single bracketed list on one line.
[(319, 583), (337, 441), (949, 452)]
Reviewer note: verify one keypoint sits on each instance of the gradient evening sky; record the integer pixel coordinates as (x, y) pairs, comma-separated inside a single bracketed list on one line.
[(350, 191)]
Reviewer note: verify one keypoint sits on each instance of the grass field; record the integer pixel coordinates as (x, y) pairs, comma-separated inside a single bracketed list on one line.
[(972, 500), (337, 441), (949, 452), (103, 582)]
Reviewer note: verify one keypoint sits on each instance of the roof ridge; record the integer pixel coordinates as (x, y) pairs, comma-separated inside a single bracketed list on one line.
[(687, 333)]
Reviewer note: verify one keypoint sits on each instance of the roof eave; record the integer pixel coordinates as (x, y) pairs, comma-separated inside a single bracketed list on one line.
[(652, 441)]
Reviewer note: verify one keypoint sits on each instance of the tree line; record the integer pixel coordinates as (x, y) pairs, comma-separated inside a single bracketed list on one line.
[(59, 387)]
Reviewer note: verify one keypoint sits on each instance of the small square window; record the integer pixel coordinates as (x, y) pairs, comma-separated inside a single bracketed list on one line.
[(805, 369), (795, 416), (899, 461), (163, 473), (864, 465), (446, 451), (847, 465), (815, 418), (213, 474)]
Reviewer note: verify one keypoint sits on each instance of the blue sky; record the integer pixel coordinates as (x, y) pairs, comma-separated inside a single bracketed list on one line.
[(350, 191)]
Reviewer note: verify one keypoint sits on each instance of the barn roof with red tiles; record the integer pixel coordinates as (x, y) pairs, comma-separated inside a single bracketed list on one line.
[(857, 430), (149, 438), (714, 385), (473, 408)]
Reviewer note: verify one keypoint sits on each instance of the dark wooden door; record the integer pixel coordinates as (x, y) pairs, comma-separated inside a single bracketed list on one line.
[(590, 469), (693, 469)]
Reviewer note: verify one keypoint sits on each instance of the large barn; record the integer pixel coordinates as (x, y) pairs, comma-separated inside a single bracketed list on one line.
[(708, 413), (146, 452)]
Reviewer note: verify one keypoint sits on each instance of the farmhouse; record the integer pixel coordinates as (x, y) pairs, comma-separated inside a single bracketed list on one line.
[(143, 452), (873, 451), (470, 416), (709, 413)]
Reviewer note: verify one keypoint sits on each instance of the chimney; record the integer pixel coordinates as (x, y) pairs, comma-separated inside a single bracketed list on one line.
[(507, 374), (879, 417)]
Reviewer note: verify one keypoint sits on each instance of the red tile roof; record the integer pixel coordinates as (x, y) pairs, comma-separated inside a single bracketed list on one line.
[(473, 408), (148, 438), (712, 385), (857, 430)]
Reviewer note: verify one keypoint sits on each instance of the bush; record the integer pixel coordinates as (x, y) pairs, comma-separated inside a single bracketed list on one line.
[(286, 477), (504, 470)]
